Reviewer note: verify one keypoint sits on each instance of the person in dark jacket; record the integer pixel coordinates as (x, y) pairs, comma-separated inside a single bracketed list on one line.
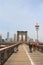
[(30, 46)]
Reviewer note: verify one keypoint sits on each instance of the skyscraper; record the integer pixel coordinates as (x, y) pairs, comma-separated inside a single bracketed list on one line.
[(7, 36), (14, 37)]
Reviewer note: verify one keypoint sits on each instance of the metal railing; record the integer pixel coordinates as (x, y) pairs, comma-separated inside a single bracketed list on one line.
[(6, 52)]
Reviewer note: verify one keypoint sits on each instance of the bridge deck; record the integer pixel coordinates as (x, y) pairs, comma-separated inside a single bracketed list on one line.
[(24, 57)]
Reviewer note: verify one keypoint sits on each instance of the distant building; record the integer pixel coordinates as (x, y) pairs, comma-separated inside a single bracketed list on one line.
[(11, 40), (14, 37), (7, 39), (0, 38), (3, 40)]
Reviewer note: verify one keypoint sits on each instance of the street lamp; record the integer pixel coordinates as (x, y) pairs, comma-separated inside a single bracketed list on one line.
[(37, 28)]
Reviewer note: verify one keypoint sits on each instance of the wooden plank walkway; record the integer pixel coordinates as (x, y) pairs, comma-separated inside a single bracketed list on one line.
[(24, 57), (19, 58)]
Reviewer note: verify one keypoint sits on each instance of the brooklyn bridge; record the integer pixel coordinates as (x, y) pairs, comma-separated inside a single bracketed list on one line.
[(18, 52)]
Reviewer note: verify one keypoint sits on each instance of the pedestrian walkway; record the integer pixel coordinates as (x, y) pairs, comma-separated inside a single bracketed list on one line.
[(19, 58), (24, 57)]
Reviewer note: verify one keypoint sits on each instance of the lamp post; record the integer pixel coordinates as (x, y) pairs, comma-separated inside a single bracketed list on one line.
[(37, 29)]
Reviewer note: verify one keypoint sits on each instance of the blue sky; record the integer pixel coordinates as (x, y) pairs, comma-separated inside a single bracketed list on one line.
[(21, 15)]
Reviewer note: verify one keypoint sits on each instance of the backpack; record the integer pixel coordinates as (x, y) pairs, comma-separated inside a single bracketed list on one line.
[(30, 43)]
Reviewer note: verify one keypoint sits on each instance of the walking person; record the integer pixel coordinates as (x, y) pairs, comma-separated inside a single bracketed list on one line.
[(34, 46), (30, 46)]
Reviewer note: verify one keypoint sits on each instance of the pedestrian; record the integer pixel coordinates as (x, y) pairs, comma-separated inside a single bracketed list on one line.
[(34, 46), (30, 46)]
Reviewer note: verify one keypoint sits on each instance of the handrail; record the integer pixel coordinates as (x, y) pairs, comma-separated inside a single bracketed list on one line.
[(8, 47)]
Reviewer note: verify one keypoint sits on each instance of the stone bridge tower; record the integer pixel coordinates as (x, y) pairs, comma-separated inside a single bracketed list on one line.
[(22, 33)]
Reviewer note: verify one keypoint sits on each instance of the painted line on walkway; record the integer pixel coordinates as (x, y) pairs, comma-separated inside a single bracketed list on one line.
[(31, 61)]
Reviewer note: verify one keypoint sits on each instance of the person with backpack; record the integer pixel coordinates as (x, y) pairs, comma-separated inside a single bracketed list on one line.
[(30, 46)]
